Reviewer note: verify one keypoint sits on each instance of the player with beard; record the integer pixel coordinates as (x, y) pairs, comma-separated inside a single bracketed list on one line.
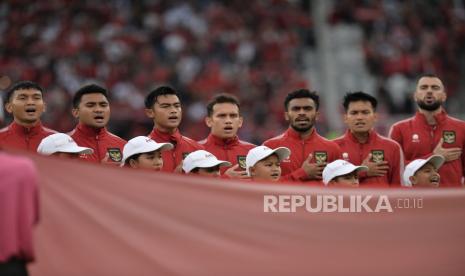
[(432, 132), (362, 145), (162, 105), (92, 108), (310, 152), (24, 101)]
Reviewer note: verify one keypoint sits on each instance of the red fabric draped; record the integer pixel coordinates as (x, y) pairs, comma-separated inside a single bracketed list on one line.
[(101, 220)]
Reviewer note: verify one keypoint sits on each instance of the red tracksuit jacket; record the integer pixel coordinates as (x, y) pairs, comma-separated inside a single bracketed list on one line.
[(19, 137), (320, 147), (418, 140), (182, 147), (101, 141), (232, 150), (382, 148)]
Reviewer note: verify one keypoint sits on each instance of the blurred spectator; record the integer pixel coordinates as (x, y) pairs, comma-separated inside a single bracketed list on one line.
[(252, 49), (406, 38)]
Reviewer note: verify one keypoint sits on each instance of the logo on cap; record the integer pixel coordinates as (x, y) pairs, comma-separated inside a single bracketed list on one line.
[(321, 157), (115, 154), (377, 155), (241, 161), (448, 136)]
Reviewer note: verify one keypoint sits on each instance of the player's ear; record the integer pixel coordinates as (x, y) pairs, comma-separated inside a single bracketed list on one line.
[(149, 113), (209, 121), (9, 107), (413, 180), (286, 116), (241, 120), (252, 171), (75, 112)]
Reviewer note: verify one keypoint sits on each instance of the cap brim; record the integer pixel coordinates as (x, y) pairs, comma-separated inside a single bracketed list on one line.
[(346, 170), (76, 149), (436, 160), (214, 163), (281, 152)]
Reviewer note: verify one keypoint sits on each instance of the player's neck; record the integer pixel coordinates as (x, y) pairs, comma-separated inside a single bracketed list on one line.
[(26, 124), (430, 115), (361, 137), (166, 130), (304, 135)]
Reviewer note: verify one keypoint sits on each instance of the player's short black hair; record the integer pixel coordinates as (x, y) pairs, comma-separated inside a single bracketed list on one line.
[(221, 98), (152, 97), (20, 85), (88, 89), (302, 93), (358, 96)]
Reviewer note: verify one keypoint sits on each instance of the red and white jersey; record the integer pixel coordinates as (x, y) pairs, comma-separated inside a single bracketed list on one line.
[(382, 149), (418, 140), (323, 150), (101, 141), (25, 138), (182, 147)]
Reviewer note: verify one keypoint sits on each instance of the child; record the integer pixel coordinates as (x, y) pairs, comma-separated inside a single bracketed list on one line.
[(263, 163), (423, 172), (203, 163), (342, 173), (144, 153)]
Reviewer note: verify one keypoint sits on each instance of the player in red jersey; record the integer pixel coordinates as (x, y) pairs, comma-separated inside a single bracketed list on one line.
[(432, 131), (25, 102), (310, 152)]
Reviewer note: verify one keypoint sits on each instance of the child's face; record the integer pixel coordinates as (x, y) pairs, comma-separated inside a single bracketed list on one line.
[(67, 155), (149, 160), (347, 180), (267, 169), (210, 172), (426, 176)]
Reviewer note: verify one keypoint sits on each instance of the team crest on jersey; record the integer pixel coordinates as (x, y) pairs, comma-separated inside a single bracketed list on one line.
[(241, 161), (415, 138), (377, 155), (321, 157), (114, 154), (448, 136)]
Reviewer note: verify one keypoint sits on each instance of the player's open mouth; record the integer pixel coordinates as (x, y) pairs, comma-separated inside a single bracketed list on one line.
[(228, 128), (173, 118), (98, 118), (434, 180), (360, 124), (30, 110), (275, 175)]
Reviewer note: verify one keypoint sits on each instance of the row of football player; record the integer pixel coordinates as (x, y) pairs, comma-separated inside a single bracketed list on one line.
[(430, 131)]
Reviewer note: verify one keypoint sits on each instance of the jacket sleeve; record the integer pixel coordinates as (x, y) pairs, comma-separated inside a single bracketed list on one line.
[(397, 167), (297, 175)]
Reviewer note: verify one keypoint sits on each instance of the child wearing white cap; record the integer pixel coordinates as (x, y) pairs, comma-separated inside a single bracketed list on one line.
[(144, 153), (203, 163), (263, 163), (423, 172), (342, 173), (61, 145)]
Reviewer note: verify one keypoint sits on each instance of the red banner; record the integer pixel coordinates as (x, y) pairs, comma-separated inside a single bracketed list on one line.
[(100, 220)]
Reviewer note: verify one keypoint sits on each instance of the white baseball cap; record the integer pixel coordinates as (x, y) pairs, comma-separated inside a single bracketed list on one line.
[(142, 144), (261, 152), (201, 159), (339, 167), (60, 142), (415, 165)]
